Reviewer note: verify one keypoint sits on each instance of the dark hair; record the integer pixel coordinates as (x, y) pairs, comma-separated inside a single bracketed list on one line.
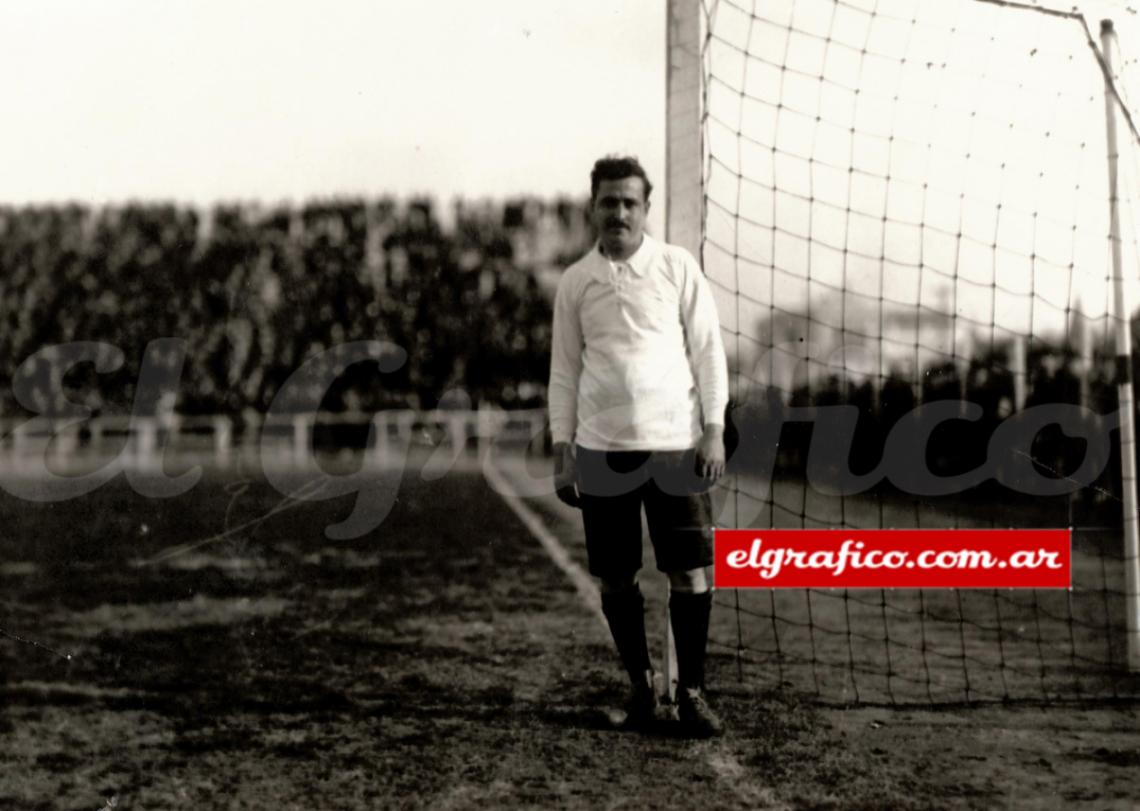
[(615, 167)]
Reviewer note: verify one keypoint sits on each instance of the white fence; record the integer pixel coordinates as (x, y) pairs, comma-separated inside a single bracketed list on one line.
[(145, 438)]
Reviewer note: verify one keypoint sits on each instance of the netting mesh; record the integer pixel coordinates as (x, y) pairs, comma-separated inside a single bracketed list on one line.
[(908, 202)]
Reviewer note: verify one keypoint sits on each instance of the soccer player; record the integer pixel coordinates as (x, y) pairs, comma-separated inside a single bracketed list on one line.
[(638, 389)]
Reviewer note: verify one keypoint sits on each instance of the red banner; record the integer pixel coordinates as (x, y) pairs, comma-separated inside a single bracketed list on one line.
[(892, 558)]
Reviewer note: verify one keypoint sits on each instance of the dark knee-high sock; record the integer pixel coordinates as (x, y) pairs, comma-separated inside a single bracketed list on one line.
[(689, 614), (625, 612)]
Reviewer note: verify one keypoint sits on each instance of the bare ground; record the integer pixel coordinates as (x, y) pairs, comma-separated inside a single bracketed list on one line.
[(442, 660)]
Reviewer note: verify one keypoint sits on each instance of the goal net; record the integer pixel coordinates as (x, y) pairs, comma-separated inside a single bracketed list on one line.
[(901, 203)]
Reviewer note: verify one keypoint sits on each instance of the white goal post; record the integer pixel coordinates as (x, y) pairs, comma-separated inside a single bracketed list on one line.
[(684, 171)]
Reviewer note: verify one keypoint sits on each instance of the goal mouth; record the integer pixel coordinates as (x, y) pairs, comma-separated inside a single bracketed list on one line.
[(912, 209)]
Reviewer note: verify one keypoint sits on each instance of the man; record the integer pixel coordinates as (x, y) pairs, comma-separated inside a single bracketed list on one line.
[(638, 388)]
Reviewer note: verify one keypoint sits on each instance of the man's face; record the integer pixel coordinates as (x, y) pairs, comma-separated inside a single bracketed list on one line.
[(619, 210)]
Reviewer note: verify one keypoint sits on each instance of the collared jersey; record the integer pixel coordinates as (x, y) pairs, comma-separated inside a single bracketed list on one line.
[(637, 361)]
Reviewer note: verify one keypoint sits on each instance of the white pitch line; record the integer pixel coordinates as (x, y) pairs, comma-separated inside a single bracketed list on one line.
[(578, 576), (720, 759)]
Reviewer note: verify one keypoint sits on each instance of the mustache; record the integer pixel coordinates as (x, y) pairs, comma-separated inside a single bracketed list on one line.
[(616, 224)]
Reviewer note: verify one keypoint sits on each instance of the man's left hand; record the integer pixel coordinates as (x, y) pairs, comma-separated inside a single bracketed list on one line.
[(710, 453)]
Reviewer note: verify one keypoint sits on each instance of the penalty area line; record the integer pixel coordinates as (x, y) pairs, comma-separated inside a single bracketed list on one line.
[(724, 764)]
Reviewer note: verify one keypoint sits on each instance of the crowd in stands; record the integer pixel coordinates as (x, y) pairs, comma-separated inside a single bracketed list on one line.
[(253, 292), (958, 440), (250, 294)]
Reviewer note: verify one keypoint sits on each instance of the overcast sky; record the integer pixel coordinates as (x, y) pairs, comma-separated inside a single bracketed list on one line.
[(251, 99)]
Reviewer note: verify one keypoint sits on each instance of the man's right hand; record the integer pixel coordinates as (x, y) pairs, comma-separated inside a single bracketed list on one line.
[(566, 474)]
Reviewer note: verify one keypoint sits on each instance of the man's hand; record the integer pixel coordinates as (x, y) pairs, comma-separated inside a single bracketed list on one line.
[(566, 474), (710, 453)]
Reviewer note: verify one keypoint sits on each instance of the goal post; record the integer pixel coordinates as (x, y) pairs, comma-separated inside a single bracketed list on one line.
[(1122, 311), (684, 165), (684, 174), (901, 202)]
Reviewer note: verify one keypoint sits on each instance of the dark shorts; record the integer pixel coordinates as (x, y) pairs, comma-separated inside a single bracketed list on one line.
[(614, 485)]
